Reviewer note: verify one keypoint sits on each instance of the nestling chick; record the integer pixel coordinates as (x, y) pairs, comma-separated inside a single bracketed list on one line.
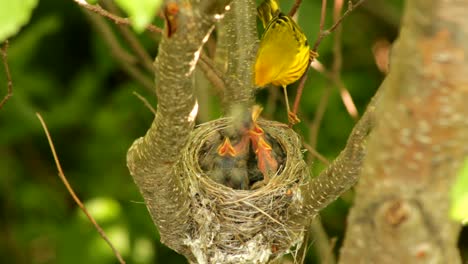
[(266, 160), (230, 166)]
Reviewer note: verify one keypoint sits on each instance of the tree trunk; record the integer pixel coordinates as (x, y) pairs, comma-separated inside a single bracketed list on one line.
[(401, 212)]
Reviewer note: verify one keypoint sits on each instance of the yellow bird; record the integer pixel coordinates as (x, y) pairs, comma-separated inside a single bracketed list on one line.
[(283, 54)]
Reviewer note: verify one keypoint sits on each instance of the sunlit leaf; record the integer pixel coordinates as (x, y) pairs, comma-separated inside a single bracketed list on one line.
[(141, 12), (459, 210), (13, 15), (103, 209)]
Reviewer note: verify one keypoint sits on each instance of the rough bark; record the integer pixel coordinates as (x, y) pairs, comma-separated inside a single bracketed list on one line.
[(151, 159), (240, 40), (344, 171), (401, 212)]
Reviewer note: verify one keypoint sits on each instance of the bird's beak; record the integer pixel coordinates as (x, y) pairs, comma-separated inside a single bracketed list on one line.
[(226, 149)]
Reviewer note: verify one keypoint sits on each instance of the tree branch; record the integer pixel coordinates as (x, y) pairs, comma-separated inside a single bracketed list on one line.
[(241, 42), (117, 20), (130, 38), (151, 159), (126, 60), (345, 169), (73, 194)]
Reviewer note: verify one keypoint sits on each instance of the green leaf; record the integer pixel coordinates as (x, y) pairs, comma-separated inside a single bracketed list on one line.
[(459, 210), (141, 12), (92, 2), (13, 15)]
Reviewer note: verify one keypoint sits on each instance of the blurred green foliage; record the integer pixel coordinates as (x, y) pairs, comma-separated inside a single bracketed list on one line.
[(141, 12), (13, 15), (63, 69), (459, 194)]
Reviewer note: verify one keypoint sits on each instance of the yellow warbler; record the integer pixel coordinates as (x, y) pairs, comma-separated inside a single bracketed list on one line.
[(283, 54)]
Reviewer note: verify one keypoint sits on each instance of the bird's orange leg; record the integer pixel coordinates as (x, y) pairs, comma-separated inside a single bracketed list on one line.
[(292, 117)]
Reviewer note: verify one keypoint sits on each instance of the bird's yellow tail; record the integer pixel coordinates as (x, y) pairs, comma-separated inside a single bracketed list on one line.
[(267, 10)]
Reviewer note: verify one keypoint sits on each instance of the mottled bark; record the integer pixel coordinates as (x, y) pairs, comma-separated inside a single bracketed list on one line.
[(151, 159), (401, 212), (239, 42), (344, 171)]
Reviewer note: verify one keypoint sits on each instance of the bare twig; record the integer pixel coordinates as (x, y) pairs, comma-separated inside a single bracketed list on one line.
[(300, 89), (316, 154), (347, 100), (319, 112), (145, 102), (107, 34), (338, 61), (72, 193), (130, 38), (215, 76), (117, 20), (9, 93), (337, 54), (322, 34), (126, 60), (323, 15), (303, 80), (206, 64), (294, 8)]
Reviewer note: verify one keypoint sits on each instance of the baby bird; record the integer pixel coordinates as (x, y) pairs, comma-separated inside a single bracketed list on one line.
[(230, 165)]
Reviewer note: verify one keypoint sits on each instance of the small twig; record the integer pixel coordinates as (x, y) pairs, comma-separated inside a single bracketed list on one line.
[(107, 34), (337, 64), (294, 8), (130, 38), (145, 102), (215, 76), (117, 20), (126, 60), (347, 100), (316, 154), (323, 15), (319, 113), (303, 80), (300, 90), (72, 192), (9, 93), (337, 54), (322, 34)]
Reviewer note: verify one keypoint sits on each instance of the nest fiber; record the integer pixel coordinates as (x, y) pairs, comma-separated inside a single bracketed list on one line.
[(245, 226)]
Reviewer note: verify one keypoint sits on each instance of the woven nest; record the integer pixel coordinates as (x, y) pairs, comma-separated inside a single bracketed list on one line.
[(245, 226)]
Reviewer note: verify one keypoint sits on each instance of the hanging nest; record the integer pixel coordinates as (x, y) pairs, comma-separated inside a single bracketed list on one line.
[(245, 226)]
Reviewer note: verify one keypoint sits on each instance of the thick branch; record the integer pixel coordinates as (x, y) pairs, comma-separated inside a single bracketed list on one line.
[(151, 159), (401, 212), (345, 169), (241, 41)]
